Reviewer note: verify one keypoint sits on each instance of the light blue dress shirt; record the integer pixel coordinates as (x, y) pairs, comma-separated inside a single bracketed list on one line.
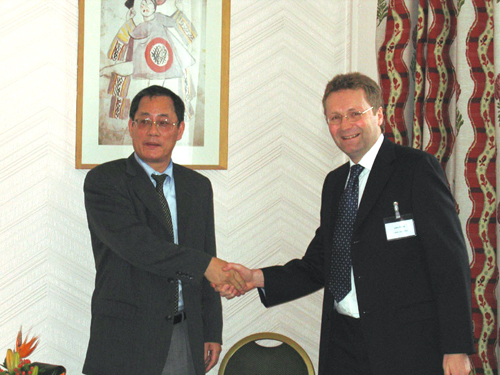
[(169, 191)]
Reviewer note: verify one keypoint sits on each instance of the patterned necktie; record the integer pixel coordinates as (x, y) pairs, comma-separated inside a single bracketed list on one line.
[(340, 270), (160, 179)]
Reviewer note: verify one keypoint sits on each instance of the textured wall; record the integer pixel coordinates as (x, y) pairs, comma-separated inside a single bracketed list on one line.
[(267, 202)]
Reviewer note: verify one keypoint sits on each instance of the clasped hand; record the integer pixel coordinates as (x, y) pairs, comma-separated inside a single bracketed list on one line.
[(225, 278), (251, 279)]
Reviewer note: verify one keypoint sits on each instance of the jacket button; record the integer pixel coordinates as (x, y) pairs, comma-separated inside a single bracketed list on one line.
[(169, 317)]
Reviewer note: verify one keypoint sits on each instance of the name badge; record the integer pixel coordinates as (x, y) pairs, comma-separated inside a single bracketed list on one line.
[(399, 226)]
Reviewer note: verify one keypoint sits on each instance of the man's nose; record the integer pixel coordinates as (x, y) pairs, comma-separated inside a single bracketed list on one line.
[(345, 122), (153, 129)]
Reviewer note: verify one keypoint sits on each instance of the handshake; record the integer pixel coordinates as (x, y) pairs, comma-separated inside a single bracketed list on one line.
[(232, 279)]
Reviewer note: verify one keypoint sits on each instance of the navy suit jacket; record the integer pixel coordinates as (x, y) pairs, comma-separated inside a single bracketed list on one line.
[(413, 293), (137, 268)]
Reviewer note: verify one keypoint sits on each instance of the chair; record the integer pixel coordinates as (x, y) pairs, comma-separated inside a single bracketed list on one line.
[(247, 357)]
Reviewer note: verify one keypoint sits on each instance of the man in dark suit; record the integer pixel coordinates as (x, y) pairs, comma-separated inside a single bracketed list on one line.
[(396, 277), (153, 310)]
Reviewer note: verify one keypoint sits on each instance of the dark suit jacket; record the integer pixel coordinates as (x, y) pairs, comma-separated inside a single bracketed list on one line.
[(137, 268), (413, 293)]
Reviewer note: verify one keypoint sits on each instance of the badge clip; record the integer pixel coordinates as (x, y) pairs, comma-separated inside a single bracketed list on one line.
[(396, 211)]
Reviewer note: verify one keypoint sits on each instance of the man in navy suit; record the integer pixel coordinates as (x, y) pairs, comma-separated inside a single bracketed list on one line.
[(152, 229), (397, 301)]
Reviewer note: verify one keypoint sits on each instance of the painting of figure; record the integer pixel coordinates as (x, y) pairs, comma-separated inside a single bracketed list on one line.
[(151, 42)]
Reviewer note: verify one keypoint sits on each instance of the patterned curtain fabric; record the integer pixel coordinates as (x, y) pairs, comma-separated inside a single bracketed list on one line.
[(436, 61)]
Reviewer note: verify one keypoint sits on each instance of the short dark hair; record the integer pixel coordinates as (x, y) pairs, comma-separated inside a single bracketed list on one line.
[(355, 81), (156, 90)]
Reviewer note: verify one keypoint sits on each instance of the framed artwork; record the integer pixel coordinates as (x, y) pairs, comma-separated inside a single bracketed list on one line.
[(127, 45)]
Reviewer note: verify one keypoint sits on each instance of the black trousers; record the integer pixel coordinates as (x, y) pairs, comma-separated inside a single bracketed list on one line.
[(348, 354)]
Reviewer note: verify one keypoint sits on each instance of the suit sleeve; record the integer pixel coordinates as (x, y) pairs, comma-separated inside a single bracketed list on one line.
[(439, 229), (117, 224), (211, 301)]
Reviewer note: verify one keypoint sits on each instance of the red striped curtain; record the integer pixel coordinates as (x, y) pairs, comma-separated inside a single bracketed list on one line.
[(436, 61)]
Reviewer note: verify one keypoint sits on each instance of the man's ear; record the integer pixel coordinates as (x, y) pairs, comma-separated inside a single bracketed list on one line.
[(380, 116), (130, 125), (182, 125)]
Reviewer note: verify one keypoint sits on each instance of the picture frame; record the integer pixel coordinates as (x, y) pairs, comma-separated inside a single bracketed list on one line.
[(121, 51)]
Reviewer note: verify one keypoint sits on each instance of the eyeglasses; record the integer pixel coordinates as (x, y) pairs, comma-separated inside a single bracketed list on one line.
[(351, 116), (163, 125)]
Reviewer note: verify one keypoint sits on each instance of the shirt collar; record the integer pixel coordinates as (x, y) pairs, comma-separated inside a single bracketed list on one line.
[(149, 170), (369, 158)]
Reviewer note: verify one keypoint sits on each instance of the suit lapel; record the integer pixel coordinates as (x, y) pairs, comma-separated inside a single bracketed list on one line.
[(379, 175), (140, 183), (339, 179), (183, 199), (338, 189)]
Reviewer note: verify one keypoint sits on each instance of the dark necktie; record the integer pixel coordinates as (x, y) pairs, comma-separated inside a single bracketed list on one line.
[(160, 179), (340, 270)]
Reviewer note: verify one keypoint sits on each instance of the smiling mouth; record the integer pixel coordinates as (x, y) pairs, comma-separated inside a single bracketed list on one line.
[(347, 137)]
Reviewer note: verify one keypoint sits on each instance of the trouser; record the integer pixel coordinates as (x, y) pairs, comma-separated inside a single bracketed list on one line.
[(179, 359), (348, 353)]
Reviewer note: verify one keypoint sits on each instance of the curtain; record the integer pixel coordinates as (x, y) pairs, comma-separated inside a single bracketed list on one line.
[(436, 63)]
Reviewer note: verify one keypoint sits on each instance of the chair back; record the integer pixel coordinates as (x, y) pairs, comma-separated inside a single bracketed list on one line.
[(247, 357)]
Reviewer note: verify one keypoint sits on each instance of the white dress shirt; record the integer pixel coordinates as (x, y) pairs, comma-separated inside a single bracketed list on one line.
[(349, 305)]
